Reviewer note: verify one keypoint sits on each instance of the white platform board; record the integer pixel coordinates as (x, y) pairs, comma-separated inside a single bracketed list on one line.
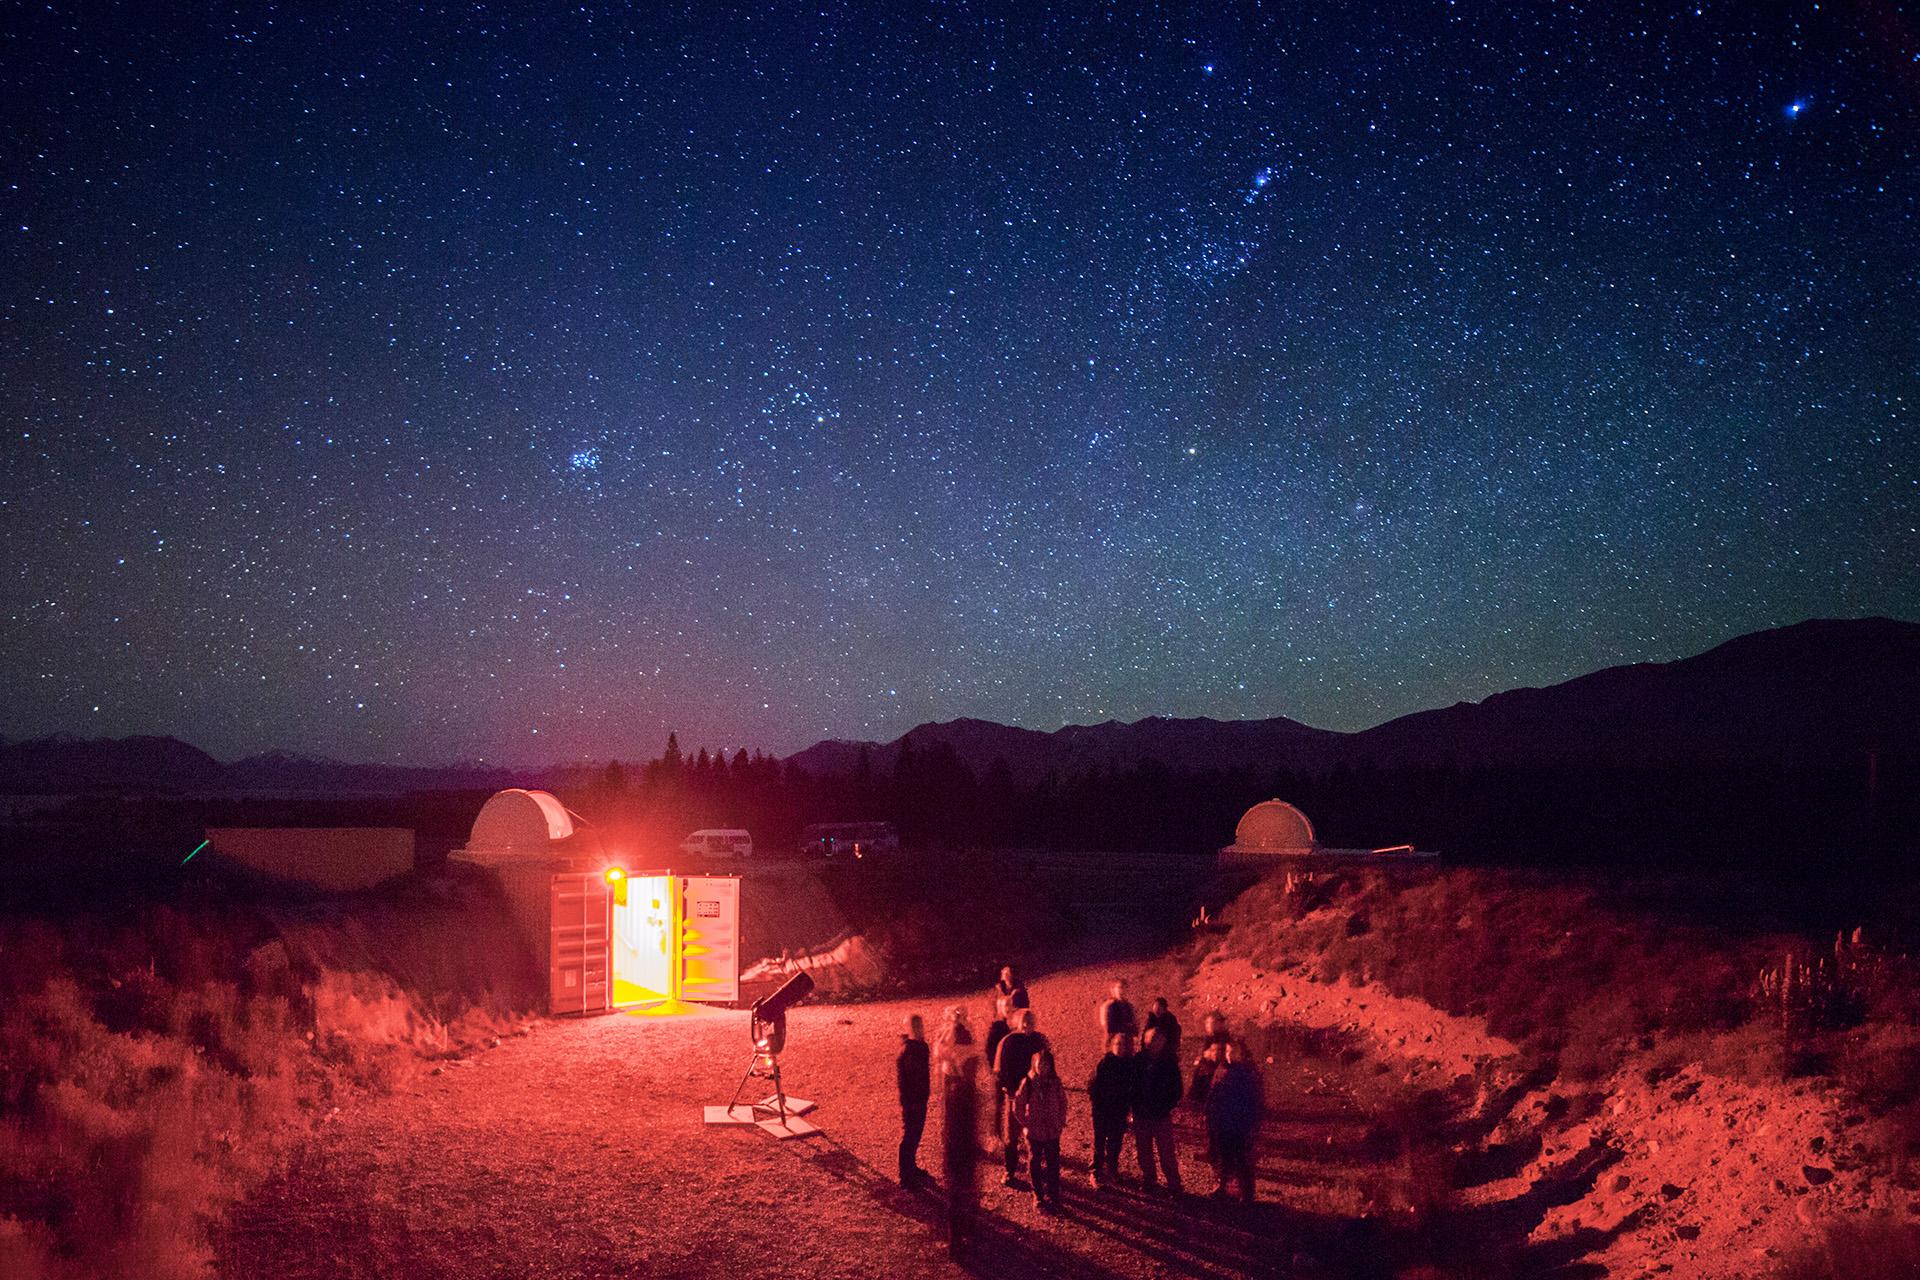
[(740, 1113), (795, 1127), (795, 1106)]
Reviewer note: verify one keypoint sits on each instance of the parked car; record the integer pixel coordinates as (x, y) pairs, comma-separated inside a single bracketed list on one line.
[(849, 840), (718, 842)]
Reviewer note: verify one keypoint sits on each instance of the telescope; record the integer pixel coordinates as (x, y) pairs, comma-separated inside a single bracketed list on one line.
[(768, 1028)]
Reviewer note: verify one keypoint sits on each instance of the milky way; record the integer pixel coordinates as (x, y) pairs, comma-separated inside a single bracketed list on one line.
[(424, 384)]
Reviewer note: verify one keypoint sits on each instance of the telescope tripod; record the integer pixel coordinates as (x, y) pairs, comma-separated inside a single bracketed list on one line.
[(764, 1065)]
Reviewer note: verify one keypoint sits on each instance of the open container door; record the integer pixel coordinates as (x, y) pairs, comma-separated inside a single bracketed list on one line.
[(710, 938), (578, 953)]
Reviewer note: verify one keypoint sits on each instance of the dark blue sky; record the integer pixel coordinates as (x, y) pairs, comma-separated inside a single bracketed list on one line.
[(429, 383)]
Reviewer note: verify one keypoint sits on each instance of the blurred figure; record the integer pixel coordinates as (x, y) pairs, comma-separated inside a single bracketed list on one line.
[(959, 1064), (912, 1075), (1110, 1094), (996, 1032), (1017, 1052), (1040, 1107), (1014, 990), (1159, 1093), (1116, 1014), (1233, 1119), (1212, 1056), (1160, 1018)]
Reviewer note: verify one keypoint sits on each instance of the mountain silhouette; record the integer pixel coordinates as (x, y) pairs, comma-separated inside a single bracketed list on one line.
[(1802, 692), (1815, 691)]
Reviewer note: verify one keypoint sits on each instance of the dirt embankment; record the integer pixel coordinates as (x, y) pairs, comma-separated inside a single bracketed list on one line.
[(1680, 1144)]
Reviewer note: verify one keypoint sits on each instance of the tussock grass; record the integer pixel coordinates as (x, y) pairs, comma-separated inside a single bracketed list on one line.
[(157, 1060)]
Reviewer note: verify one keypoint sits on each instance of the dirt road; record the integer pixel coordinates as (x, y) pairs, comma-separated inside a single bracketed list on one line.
[(578, 1151)]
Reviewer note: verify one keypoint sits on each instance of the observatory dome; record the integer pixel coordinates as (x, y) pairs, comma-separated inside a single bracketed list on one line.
[(1274, 826), (518, 821)]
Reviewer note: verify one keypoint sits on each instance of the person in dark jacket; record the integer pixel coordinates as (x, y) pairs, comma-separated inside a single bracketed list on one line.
[(996, 1032), (1010, 987), (1010, 1067), (1160, 1018), (1153, 1105), (1110, 1094), (1115, 1014), (912, 1077), (959, 1066), (1233, 1118), (1212, 1056)]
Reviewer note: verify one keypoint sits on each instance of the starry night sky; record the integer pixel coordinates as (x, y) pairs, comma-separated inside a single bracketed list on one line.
[(418, 384)]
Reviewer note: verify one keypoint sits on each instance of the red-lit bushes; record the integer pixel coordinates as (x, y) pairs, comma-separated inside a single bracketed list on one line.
[(155, 1062)]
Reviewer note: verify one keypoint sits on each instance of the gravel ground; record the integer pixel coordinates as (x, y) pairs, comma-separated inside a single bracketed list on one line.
[(578, 1151)]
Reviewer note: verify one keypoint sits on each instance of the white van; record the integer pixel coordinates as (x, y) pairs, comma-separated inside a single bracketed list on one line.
[(718, 842)]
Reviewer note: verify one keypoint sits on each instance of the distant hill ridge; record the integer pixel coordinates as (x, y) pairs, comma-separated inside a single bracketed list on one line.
[(1807, 691), (1793, 693)]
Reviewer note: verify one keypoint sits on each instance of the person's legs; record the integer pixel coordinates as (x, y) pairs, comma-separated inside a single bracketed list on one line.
[(1106, 1148), (1012, 1135), (1220, 1156), (913, 1124), (1143, 1150), (1153, 1141)]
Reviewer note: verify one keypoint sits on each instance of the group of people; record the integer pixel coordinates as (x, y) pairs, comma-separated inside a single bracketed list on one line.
[(1141, 1090)]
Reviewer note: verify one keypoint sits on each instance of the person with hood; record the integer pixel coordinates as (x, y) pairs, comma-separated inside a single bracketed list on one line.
[(1110, 1093), (1010, 1068), (912, 1077), (1233, 1118), (958, 1062), (1153, 1105), (1040, 1107)]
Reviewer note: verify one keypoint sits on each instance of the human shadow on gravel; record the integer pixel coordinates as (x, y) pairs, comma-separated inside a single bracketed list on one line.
[(999, 1247)]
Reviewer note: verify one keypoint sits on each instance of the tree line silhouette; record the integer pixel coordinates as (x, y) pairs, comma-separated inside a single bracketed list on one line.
[(1842, 816)]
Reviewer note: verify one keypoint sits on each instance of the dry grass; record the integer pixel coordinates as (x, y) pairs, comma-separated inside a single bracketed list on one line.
[(154, 1065), (1558, 968)]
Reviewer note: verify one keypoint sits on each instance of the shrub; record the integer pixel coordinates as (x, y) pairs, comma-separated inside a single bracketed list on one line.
[(152, 1082)]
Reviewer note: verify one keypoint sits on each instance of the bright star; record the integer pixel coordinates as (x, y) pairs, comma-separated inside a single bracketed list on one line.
[(585, 460), (1798, 105)]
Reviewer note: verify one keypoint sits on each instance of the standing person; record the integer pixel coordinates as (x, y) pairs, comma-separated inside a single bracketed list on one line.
[(1041, 1109), (1153, 1105), (1012, 988), (1116, 1014), (1160, 1018), (913, 1078), (1213, 1056), (1233, 1118), (996, 1032), (1110, 1093), (959, 1065), (1017, 1052)]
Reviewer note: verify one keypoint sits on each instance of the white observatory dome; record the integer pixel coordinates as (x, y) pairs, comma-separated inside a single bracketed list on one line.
[(518, 821)]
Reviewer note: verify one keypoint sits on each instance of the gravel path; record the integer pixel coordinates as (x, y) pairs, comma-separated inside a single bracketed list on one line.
[(578, 1151)]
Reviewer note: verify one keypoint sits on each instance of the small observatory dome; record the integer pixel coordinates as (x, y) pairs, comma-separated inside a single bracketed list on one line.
[(1274, 826), (517, 821)]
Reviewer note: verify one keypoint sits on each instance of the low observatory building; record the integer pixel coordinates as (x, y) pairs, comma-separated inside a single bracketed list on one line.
[(1273, 827)]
